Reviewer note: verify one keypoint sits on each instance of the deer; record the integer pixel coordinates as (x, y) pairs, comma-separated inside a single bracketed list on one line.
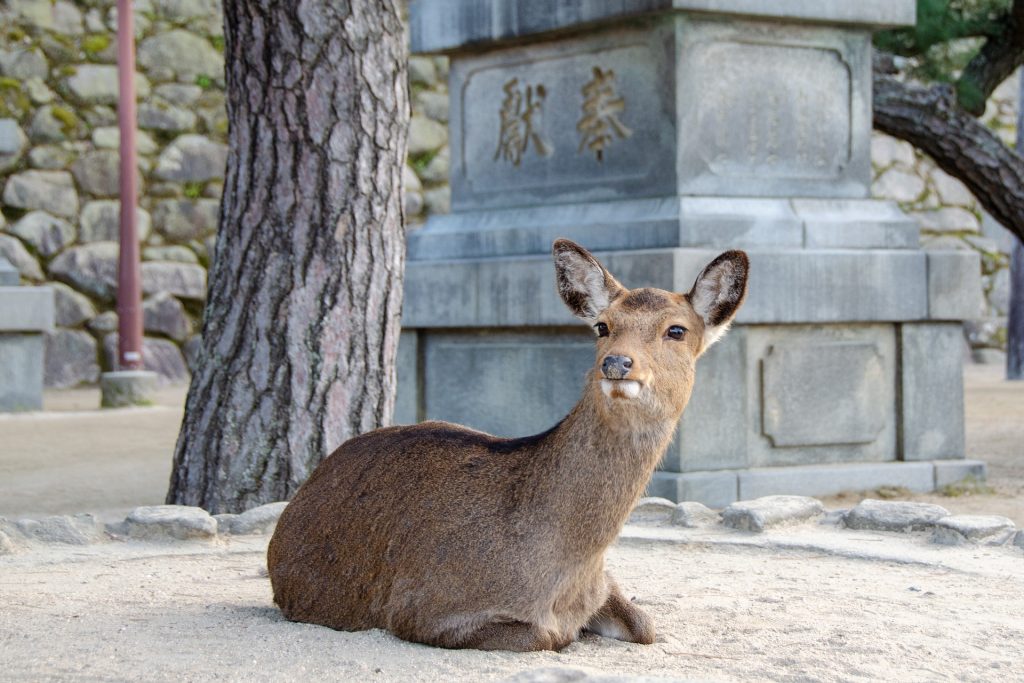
[(444, 535)]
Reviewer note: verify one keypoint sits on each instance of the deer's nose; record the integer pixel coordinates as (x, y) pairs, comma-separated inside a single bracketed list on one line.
[(616, 367)]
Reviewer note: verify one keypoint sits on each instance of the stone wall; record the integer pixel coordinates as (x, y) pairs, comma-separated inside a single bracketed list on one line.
[(59, 174), (951, 218)]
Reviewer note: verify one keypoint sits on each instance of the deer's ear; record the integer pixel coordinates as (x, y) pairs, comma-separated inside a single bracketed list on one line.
[(718, 293), (585, 286)]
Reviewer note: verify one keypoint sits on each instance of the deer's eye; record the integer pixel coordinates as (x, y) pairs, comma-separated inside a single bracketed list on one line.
[(676, 332), (601, 329)]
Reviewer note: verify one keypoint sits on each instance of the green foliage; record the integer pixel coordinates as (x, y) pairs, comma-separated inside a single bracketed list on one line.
[(218, 43), (14, 103), (419, 162), (204, 81), (947, 35), (193, 190), (969, 486), (96, 43)]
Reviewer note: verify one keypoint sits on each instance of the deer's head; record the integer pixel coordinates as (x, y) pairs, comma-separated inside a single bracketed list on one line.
[(648, 340)]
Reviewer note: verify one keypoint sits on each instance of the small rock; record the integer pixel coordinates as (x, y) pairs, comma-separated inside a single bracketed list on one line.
[(192, 158), (99, 173), (1018, 540), (183, 280), (52, 123), (187, 54), (101, 222), (165, 117), (175, 253), (13, 142), (888, 515), (693, 515), (771, 511), (984, 529), (948, 219), (24, 64), (224, 522), (434, 105), (98, 84), (833, 517), (164, 314), (47, 234), (437, 170), (104, 323), (15, 252), (886, 151), (652, 511), (78, 530), (109, 137), (258, 520), (50, 157), (70, 359), (71, 307), (438, 200), (38, 91), (902, 186), (90, 268), (158, 355), (51, 191), (183, 220), (950, 190), (165, 522), (183, 95), (425, 135)]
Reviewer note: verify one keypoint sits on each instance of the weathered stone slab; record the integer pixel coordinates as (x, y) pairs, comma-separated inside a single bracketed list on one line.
[(855, 224), (127, 388), (771, 511), (71, 308), (101, 222), (192, 158), (51, 191), (258, 520), (983, 529), (692, 514), (954, 288), (12, 144), (17, 255), (886, 515), (184, 53), (21, 369), (521, 290), (26, 309), (164, 314), (823, 393), (182, 220), (825, 480), (165, 522), (407, 370), (183, 280), (652, 512), (98, 84), (80, 529), (932, 393)]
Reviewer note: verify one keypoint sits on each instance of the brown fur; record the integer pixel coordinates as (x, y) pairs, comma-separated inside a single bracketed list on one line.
[(452, 537)]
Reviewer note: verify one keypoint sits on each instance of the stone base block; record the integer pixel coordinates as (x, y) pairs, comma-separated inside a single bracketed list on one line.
[(720, 488), (21, 372), (955, 471), (127, 388)]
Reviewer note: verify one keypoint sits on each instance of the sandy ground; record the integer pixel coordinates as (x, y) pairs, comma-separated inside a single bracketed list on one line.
[(806, 603)]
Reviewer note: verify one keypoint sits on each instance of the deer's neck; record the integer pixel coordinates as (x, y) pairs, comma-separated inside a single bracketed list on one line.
[(598, 462)]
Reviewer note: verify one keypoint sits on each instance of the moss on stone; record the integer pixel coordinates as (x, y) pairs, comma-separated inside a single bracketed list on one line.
[(204, 81), (68, 121), (14, 103), (193, 190), (218, 43), (95, 43)]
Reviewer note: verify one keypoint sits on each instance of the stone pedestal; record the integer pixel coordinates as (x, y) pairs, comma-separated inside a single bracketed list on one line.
[(123, 388), (26, 314), (657, 136)]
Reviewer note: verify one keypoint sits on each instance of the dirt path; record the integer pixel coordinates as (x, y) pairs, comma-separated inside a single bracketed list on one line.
[(803, 604)]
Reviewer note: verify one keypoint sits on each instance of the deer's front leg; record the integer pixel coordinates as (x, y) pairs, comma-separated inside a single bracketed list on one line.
[(620, 619)]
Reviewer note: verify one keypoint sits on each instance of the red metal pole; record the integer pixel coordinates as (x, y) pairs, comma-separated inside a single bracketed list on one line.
[(129, 276)]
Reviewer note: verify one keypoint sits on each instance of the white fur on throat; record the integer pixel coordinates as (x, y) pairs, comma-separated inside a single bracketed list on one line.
[(622, 388)]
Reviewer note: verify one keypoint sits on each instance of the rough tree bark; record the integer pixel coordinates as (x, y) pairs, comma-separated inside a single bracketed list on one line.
[(1015, 319), (302, 319)]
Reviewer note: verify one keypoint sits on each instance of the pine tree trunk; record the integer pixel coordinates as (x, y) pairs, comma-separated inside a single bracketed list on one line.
[(1015, 319), (302, 319)]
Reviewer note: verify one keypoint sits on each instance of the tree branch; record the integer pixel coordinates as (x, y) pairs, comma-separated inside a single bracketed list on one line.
[(999, 57), (931, 120)]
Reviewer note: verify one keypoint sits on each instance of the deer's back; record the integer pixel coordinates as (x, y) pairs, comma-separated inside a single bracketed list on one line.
[(399, 520)]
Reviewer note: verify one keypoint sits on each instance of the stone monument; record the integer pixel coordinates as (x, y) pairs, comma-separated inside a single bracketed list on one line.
[(26, 313), (658, 133)]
